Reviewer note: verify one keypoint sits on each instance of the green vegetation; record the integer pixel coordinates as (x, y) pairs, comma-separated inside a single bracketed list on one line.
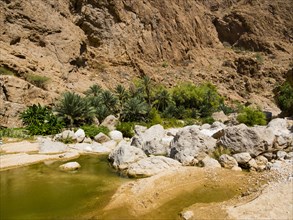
[(252, 116), (37, 80), (220, 150), (92, 130), (74, 110), (127, 128), (143, 103), (40, 120), (5, 71), (284, 97), (18, 133)]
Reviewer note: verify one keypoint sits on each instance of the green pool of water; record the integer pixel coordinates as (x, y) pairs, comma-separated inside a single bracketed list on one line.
[(42, 191)]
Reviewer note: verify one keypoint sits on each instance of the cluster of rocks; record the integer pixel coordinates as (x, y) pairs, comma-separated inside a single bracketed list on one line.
[(237, 147)]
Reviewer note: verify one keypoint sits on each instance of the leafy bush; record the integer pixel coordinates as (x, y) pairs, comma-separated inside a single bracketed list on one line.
[(203, 98), (92, 130), (127, 128), (75, 110), (284, 98), (154, 117), (39, 81), (251, 116), (40, 120)]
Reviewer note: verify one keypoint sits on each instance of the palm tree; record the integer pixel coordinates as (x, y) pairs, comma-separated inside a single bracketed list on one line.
[(74, 109), (163, 99), (109, 100), (147, 87), (122, 95), (94, 90), (135, 109)]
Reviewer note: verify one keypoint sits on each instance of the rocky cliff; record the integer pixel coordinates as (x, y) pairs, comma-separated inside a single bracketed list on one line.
[(243, 46)]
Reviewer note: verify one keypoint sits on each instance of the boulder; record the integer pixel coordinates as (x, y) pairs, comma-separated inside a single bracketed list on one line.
[(80, 135), (70, 166), (151, 166), (110, 144), (281, 155), (187, 215), (284, 137), (151, 141), (227, 161), (190, 144), (68, 134), (87, 140), (101, 138), (254, 140), (110, 122), (279, 126), (51, 147), (138, 129), (210, 163), (220, 116), (124, 155), (262, 163), (116, 135), (289, 156), (242, 158), (205, 126), (172, 131), (213, 130), (99, 148)]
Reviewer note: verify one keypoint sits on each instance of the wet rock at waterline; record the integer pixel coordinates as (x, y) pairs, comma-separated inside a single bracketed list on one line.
[(71, 166), (124, 155), (187, 215), (190, 144), (48, 146), (150, 141), (151, 166)]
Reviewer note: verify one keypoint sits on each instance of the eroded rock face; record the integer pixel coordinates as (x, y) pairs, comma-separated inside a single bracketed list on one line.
[(78, 43), (189, 144)]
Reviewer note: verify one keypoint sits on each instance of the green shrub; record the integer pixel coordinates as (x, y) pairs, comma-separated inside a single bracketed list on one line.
[(251, 116), (284, 98), (40, 120), (154, 117), (220, 150), (172, 123), (203, 98), (75, 110), (127, 128), (19, 133), (37, 80), (92, 130), (5, 71)]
